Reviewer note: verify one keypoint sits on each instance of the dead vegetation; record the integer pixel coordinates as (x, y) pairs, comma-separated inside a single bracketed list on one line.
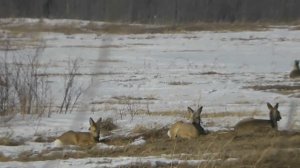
[(179, 83), (3, 158), (107, 125), (207, 73), (124, 28), (217, 149), (126, 98), (7, 141), (282, 89), (220, 114), (277, 87)]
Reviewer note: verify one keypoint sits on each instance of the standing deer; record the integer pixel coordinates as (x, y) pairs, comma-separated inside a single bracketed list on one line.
[(188, 130), (250, 126), (296, 71), (83, 139)]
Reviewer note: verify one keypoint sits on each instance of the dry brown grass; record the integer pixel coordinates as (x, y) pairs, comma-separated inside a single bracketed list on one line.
[(281, 89), (276, 87), (41, 138), (123, 28), (179, 83), (139, 129), (206, 73), (217, 148), (41, 27), (128, 98), (7, 141), (3, 158), (207, 115), (274, 150), (107, 126)]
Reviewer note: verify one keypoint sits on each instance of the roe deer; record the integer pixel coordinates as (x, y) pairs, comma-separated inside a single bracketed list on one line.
[(83, 139), (252, 126), (296, 71), (188, 130)]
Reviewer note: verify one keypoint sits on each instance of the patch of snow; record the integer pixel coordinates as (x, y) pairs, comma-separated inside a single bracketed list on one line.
[(153, 161), (138, 141), (161, 73)]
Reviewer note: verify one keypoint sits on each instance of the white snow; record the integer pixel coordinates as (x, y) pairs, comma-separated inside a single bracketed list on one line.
[(139, 141), (145, 66)]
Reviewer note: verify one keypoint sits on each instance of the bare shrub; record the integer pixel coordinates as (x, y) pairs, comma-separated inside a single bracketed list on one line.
[(6, 99), (121, 113), (71, 91), (22, 89), (132, 108), (6, 102)]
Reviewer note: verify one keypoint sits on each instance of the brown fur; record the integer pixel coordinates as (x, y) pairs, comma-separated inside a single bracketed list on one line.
[(82, 138), (251, 126), (187, 130)]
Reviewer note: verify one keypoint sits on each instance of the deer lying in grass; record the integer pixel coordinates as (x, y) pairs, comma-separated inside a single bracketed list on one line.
[(295, 73), (188, 130), (83, 139), (252, 126)]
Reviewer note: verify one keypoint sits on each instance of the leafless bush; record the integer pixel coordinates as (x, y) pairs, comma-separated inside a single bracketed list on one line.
[(121, 113), (6, 99), (71, 91), (22, 89), (132, 108)]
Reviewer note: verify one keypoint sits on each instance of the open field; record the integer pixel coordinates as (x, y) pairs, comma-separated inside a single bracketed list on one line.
[(143, 78)]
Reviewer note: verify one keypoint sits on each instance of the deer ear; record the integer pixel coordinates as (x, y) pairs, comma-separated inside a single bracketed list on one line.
[(92, 122), (276, 106), (270, 106), (190, 110), (200, 109)]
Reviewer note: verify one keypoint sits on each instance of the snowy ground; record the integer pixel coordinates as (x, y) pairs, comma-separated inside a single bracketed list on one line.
[(159, 73)]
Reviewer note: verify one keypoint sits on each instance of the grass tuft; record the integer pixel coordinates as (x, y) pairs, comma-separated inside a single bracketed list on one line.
[(179, 83), (107, 125)]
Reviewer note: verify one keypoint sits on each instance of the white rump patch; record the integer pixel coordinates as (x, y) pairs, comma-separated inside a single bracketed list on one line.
[(57, 143), (169, 133)]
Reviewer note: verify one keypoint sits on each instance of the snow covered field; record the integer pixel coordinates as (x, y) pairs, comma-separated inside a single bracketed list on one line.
[(159, 75)]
